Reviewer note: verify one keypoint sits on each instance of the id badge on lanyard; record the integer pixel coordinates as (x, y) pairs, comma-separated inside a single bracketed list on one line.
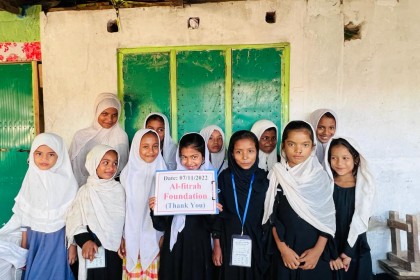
[(241, 250), (241, 253)]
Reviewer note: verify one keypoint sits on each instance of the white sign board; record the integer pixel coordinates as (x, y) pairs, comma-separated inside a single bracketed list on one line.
[(186, 192)]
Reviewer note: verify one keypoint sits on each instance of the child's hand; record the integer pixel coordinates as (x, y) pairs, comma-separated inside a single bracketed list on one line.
[(310, 258), (72, 255), (290, 258), (336, 264), (121, 250), (152, 202), (346, 261), (217, 253), (89, 250), (219, 206), (24, 241)]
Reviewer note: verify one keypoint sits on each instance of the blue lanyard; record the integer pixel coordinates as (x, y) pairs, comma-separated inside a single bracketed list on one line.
[(218, 171), (242, 220)]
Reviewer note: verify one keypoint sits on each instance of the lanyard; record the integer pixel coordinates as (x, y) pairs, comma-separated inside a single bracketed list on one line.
[(242, 220), (218, 171)]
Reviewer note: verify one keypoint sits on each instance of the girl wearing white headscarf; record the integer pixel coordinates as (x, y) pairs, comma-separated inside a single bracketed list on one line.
[(186, 250), (266, 160), (323, 132), (40, 207), (84, 140), (97, 215), (299, 204), (218, 160), (354, 190), (141, 239), (167, 146)]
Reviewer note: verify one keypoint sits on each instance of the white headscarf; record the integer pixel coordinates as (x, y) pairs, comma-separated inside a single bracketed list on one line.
[(266, 161), (178, 222), (84, 140), (169, 147), (308, 189), (217, 159), (138, 180), (45, 195), (365, 192), (314, 120)]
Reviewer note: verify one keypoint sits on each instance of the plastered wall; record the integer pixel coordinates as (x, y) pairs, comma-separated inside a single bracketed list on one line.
[(372, 83)]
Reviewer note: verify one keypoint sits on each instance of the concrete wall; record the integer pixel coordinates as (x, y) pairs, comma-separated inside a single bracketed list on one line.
[(372, 83)]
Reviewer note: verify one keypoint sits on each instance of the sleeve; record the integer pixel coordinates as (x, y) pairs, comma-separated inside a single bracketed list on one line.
[(160, 223), (361, 242), (275, 221), (217, 227), (82, 238), (331, 248)]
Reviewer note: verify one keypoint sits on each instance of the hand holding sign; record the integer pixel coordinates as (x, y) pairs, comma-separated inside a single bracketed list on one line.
[(185, 192)]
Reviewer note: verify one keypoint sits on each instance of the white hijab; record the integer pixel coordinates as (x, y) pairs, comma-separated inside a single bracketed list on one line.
[(99, 204), (266, 161), (218, 160), (178, 222), (308, 189), (314, 120), (365, 192), (138, 180), (85, 139), (45, 195), (169, 147)]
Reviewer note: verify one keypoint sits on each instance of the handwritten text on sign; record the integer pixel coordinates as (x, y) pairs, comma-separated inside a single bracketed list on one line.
[(186, 192)]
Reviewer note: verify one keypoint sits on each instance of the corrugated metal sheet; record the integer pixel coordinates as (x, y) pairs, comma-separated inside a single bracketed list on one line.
[(16, 131)]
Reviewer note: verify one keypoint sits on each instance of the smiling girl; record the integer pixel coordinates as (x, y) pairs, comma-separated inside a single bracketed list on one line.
[(106, 130), (324, 121), (186, 248), (354, 190), (96, 218)]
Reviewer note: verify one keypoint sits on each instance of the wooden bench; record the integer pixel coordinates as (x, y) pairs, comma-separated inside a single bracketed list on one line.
[(402, 264)]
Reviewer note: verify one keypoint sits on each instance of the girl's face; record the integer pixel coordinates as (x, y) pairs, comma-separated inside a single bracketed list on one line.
[(268, 141), (149, 147), (342, 162), (108, 165), (45, 157), (297, 146), (245, 153), (157, 126), (108, 118), (191, 158), (325, 129), (215, 142)]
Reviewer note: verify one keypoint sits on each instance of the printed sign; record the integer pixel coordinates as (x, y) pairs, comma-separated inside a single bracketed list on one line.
[(186, 192)]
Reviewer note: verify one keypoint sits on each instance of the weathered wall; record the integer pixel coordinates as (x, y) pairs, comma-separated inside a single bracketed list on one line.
[(372, 83)]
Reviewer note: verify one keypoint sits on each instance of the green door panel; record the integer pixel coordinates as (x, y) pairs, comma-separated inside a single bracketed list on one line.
[(146, 88), (256, 87), (17, 130), (200, 90), (230, 86)]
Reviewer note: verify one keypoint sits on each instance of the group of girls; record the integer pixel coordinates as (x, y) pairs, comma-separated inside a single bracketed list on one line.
[(304, 212)]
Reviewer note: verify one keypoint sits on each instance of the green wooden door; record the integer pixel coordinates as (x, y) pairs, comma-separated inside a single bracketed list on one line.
[(17, 130), (146, 88), (230, 86)]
